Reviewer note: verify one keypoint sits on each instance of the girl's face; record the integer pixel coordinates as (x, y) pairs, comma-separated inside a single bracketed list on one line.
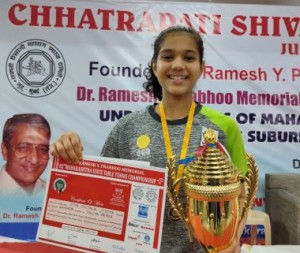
[(178, 66)]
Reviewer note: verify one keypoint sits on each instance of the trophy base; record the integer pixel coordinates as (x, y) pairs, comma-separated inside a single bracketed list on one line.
[(211, 249)]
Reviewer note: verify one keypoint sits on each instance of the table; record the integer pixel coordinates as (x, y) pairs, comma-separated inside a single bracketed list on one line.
[(10, 245), (270, 249)]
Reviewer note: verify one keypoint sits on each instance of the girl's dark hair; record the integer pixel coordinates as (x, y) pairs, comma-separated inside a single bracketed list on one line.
[(152, 85)]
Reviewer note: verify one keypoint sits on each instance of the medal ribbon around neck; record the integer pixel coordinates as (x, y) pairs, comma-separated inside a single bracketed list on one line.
[(185, 141)]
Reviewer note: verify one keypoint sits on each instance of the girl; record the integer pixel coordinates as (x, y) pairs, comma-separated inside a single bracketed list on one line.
[(175, 125)]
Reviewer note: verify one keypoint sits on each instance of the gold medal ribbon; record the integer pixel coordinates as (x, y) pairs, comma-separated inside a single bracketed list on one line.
[(187, 133)]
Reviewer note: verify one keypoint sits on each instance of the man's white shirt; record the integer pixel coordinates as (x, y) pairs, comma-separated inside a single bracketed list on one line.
[(8, 186)]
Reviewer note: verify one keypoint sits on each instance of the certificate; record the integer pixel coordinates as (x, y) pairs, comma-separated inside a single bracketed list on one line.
[(104, 205)]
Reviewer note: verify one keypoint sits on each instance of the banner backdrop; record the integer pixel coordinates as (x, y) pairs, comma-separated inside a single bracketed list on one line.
[(81, 65)]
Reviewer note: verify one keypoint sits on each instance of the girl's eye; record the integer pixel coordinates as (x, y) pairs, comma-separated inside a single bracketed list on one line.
[(166, 57), (190, 58)]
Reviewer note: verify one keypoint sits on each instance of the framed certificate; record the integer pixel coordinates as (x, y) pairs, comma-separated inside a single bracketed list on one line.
[(104, 205)]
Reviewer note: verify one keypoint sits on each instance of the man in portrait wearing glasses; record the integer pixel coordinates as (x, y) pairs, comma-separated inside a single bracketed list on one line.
[(25, 148)]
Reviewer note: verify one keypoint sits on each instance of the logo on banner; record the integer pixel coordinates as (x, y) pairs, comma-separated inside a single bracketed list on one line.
[(35, 68)]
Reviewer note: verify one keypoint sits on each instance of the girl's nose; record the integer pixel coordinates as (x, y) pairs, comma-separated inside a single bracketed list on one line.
[(178, 63)]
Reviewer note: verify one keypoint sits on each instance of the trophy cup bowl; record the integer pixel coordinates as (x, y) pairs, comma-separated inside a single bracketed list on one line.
[(214, 205)]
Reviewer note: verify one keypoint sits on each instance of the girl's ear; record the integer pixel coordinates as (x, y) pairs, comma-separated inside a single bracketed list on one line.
[(202, 66), (153, 65)]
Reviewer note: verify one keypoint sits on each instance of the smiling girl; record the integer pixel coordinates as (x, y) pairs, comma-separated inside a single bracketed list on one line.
[(174, 126)]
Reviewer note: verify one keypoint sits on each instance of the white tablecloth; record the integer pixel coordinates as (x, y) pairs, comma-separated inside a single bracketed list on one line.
[(271, 249), (245, 248)]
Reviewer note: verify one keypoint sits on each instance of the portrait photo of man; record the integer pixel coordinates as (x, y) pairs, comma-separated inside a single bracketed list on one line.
[(25, 150)]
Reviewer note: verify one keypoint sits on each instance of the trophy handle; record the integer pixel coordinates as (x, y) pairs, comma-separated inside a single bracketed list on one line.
[(251, 185), (177, 211)]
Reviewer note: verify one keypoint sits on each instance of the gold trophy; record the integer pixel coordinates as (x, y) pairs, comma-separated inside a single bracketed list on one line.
[(217, 195)]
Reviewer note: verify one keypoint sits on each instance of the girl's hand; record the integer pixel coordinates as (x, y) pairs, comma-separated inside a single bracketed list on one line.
[(68, 147)]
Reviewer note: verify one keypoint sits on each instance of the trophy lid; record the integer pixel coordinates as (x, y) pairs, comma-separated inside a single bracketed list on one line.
[(212, 164)]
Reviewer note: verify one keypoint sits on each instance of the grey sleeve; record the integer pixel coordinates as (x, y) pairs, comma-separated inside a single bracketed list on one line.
[(110, 147)]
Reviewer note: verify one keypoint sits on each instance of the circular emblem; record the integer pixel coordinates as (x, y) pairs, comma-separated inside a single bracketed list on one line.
[(147, 238), (59, 185), (151, 196), (35, 68), (138, 193), (143, 141)]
